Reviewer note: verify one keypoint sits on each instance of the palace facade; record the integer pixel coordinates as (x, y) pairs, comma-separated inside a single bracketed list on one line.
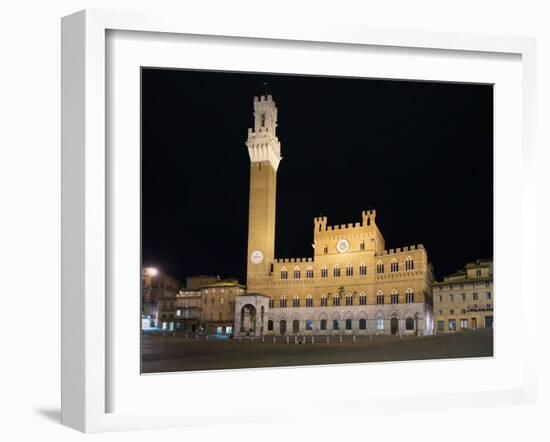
[(352, 284)]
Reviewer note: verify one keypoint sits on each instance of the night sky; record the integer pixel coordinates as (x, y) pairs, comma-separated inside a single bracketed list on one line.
[(420, 153)]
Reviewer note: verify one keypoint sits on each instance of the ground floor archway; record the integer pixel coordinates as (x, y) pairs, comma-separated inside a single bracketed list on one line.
[(394, 326), (248, 319)]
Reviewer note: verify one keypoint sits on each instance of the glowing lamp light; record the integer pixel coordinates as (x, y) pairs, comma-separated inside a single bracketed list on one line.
[(151, 271)]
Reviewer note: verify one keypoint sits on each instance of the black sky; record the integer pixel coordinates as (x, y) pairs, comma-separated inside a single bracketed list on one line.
[(420, 153)]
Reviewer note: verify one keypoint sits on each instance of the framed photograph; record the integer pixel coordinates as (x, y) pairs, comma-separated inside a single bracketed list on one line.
[(280, 207), (351, 140)]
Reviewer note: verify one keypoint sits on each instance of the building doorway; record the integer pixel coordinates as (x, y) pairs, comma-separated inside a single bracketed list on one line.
[(248, 319), (474, 323), (394, 326)]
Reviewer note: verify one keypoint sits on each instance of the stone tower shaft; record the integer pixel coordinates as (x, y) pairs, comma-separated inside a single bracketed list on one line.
[(264, 150)]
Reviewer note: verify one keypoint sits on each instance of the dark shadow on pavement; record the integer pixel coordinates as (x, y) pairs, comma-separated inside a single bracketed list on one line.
[(51, 414)]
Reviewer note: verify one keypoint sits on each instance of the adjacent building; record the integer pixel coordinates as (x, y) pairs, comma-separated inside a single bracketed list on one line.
[(158, 293), (205, 304), (465, 299), (218, 306), (352, 284), (188, 310)]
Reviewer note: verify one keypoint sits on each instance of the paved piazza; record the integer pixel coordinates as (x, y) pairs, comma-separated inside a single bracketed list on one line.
[(169, 353)]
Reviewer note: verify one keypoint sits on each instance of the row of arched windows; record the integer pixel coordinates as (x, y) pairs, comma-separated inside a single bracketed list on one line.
[(336, 324), (394, 267), (336, 300)]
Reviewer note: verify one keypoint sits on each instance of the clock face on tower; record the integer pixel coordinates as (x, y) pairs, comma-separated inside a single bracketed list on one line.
[(342, 246), (256, 257)]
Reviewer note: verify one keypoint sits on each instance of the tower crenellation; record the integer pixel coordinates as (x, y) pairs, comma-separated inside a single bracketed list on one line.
[(369, 217), (320, 223), (263, 144)]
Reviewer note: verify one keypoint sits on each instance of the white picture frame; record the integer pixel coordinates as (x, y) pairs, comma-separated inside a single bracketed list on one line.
[(86, 350)]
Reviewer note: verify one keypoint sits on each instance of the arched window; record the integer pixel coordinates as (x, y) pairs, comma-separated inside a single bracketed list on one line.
[(271, 303), (409, 297), (348, 324), (282, 301), (362, 324), (394, 267), (409, 263), (362, 269), (269, 325), (297, 273), (380, 297), (323, 324), (394, 297), (295, 301), (324, 300), (309, 272), (409, 324), (324, 272), (362, 299), (282, 327), (309, 324), (362, 245), (284, 273), (336, 300), (349, 270), (309, 301), (325, 250), (295, 326), (336, 324), (349, 299), (380, 267), (337, 271)]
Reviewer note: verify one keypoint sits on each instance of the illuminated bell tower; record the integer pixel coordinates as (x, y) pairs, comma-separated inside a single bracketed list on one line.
[(264, 150)]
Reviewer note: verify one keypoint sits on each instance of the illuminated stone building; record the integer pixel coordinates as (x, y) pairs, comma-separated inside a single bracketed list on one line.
[(187, 314), (465, 299), (352, 284), (218, 306), (205, 304), (188, 303), (158, 294)]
